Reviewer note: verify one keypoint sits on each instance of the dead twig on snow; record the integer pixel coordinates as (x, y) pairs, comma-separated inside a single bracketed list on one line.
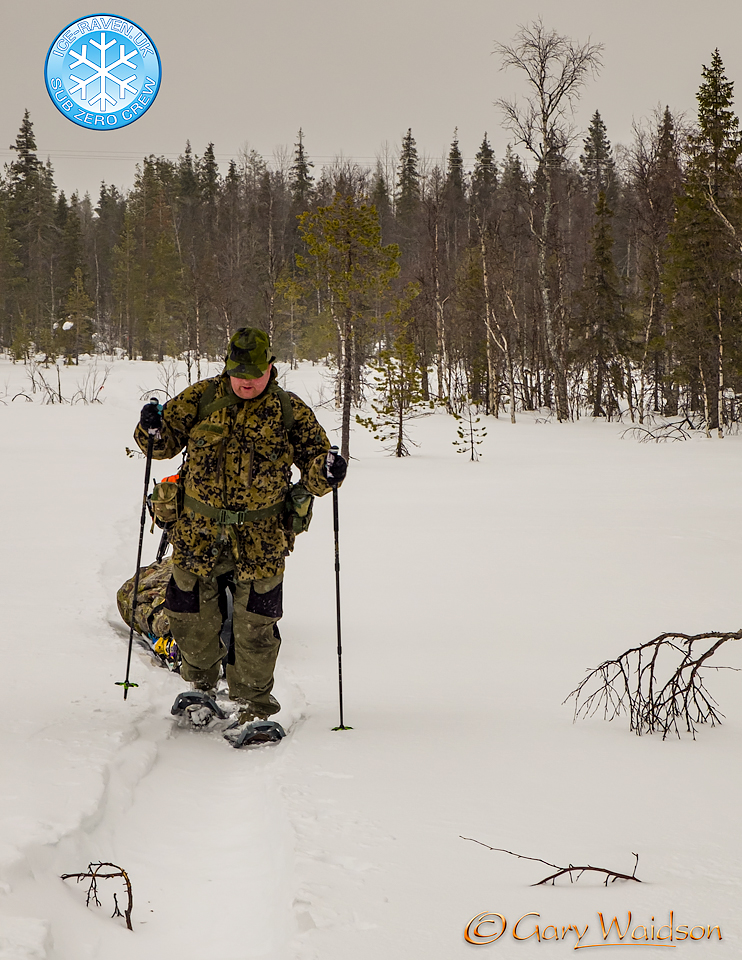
[(94, 874), (611, 875), (664, 432)]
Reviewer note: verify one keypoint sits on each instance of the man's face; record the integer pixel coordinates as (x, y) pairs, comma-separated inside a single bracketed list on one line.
[(249, 389)]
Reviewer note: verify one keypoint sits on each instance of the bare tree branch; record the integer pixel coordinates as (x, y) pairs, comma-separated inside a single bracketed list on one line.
[(664, 432), (611, 875), (93, 873), (519, 856), (659, 684), (556, 69)]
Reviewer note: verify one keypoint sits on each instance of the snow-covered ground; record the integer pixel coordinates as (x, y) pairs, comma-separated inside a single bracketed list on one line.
[(474, 597)]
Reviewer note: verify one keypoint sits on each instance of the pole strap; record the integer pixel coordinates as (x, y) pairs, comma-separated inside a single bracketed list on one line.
[(232, 516)]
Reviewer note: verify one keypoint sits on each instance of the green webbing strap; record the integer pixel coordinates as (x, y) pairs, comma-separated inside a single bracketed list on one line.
[(231, 516), (287, 411), (209, 404)]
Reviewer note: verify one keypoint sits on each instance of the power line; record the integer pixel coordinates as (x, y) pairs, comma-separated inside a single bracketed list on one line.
[(225, 157)]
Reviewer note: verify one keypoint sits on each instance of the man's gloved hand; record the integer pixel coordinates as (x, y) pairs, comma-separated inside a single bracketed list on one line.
[(335, 467), (151, 416)]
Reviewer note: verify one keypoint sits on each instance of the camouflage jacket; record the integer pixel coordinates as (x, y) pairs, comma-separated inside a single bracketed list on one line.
[(238, 458)]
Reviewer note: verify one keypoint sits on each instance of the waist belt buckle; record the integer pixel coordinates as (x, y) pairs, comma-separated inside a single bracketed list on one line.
[(225, 516)]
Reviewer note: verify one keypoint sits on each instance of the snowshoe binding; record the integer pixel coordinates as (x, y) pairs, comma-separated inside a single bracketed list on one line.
[(198, 708)]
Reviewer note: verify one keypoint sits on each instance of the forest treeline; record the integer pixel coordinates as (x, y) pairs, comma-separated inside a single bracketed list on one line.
[(566, 275)]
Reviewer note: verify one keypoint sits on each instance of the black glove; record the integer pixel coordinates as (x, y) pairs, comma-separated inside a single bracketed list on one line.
[(335, 467), (151, 415)]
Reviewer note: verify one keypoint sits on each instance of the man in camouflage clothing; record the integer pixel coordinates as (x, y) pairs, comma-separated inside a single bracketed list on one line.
[(241, 433)]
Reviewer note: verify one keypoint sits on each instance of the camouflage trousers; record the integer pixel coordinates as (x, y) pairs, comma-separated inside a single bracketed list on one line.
[(193, 609)]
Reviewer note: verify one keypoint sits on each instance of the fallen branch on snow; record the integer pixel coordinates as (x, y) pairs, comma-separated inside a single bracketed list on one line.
[(611, 875), (660, 697), (94, 874), (677, 430)]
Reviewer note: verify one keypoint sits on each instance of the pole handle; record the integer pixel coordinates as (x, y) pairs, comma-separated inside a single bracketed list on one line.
[(329, 463), (153, 431)]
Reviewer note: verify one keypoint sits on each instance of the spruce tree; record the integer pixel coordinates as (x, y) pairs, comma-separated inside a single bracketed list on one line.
[(232, 178), (11, 334), (408, 179), (455, 170), (75, 333), (187, 177), (300, 178), (107, 227), (399, 397), (150, 265), (704, 249), (597, 166), (26, 166), (209, 176), (31, 222), (484, 178), (470, 434), (454, 209), (605, 342), (69, 227), (717, 144)]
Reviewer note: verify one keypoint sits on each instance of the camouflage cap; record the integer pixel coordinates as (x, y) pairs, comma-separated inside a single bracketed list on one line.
[(248, 354)]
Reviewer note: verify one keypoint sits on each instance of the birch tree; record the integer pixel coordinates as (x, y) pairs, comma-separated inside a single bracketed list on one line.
[(556, 69)]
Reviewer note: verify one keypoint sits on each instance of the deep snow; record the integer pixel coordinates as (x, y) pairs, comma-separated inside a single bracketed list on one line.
[(474, 597)]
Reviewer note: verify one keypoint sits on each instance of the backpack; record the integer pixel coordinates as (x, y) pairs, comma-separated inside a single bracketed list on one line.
[(150, 619)]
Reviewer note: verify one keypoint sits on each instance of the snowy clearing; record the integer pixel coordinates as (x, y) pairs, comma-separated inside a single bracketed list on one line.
[(474, 598)]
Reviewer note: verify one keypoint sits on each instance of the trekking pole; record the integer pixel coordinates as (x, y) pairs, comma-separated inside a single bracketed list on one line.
[(336, 526), (150, 444)]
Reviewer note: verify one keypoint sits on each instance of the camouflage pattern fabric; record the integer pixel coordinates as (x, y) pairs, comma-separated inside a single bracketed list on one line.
[(238, 458), (150, 617), (249, 354), (195, 619)]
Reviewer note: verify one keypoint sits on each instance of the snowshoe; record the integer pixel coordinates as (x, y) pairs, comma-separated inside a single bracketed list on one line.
[(198, 708), (254, 732)]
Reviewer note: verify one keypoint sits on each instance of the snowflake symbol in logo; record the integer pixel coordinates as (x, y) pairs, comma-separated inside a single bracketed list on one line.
[(102, 73)]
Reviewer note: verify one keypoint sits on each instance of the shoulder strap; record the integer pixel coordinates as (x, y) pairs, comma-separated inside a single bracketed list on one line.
[(287, 411), (208, 404)]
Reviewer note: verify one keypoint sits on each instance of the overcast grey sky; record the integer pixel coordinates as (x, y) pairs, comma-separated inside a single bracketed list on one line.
[(353, 76)]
